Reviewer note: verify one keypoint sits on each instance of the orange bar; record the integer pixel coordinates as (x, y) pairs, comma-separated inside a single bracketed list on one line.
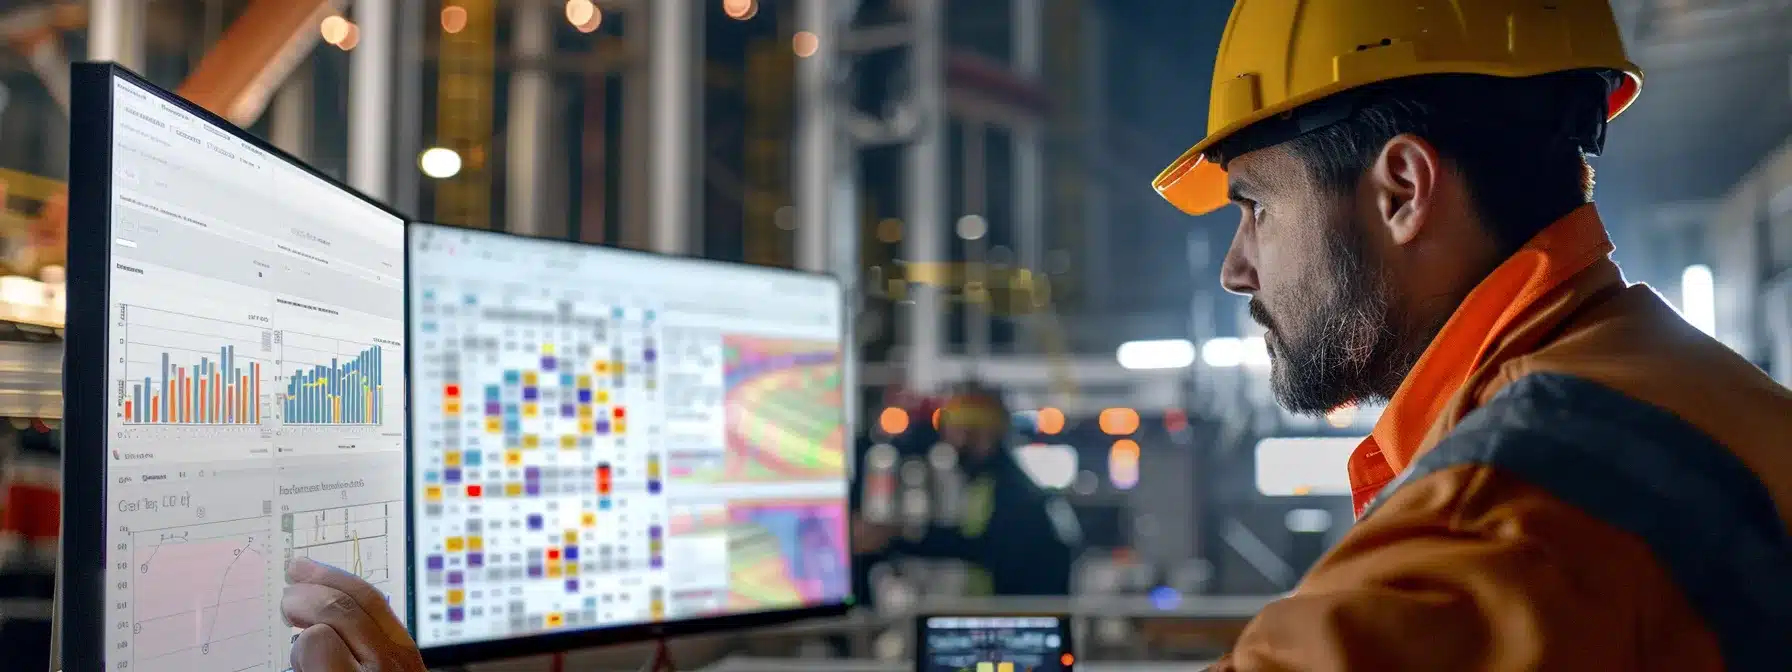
[(242, 400), (180, 393), (202, 395), (217, 398), (127, 411), (255, 371), (155, 406)]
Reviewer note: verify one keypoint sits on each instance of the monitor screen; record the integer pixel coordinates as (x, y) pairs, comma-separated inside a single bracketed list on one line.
[(253, 385), (995, 644), (604, 439)]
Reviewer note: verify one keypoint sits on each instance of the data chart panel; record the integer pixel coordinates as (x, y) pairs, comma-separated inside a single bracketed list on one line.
[(254, 388), (604, 438)]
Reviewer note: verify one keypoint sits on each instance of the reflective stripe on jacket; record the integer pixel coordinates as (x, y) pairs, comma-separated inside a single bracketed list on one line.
[(1586, 482)]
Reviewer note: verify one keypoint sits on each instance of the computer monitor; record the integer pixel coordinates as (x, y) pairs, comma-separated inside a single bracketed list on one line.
[(609, 445), (234, 385)]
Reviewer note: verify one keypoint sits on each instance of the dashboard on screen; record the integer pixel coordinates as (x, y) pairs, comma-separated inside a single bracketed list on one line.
[(994, 644), (604, 438), (255, 388)]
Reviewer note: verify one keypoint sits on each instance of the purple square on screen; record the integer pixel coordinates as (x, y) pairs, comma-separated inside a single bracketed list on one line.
[(532, 488), (455, 577), (456, 614), (492, 408), (531, 473), (475, 560), (434, 562), (653, 487), (657, 562), (572, 585), (568, 410), (547, 363), (451, 475), (534, 571), (534, 521), (649, 355)]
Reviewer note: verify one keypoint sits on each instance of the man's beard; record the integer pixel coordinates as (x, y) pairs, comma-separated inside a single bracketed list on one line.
[(1343, 344)]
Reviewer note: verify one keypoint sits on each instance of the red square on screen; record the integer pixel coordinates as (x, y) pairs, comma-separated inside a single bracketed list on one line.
[(475, 490), (553, 554), (619, 412), (451, 390)]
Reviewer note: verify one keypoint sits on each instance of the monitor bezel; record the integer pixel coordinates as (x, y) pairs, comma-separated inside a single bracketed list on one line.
[(555, 642), (86, 421), (1066, 631)]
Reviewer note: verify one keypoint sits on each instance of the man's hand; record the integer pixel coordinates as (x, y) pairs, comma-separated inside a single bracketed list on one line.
[(348, 625), (870, 537)]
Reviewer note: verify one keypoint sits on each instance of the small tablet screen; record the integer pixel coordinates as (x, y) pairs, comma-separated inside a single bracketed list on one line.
[(995, 644)]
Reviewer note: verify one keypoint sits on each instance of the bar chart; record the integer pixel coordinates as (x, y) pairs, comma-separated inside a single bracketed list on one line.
[(184, 388), (337, 392), (183, 369)]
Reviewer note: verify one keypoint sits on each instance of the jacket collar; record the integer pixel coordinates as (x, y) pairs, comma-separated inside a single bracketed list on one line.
[(1475, 335)]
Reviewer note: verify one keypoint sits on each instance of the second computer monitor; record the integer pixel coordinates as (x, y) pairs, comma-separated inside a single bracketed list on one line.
[(612, 445)]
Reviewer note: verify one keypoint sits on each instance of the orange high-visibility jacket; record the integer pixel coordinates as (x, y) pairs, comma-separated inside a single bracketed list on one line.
[(1571, 478)]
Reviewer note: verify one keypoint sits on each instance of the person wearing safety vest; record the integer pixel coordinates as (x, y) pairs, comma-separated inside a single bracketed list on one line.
[(1567, 476), (1016, 538)]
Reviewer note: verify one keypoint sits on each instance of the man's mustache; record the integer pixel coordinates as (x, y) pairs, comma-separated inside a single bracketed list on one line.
[(1261, 314)]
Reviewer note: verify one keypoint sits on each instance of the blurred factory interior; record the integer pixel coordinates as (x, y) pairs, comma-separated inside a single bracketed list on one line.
[(975, 171)]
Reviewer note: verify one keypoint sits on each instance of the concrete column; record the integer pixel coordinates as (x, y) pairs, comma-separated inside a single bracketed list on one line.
[(115, 32), (976, 250), (1029, 140), (412, 23), (290, 120), (675, 80), (370, 99), (1097, 252), (817, 133), (531, 93), (632, 208), (924, 236)]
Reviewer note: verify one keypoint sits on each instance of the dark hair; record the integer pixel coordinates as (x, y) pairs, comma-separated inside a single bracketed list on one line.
[(1520, 143)]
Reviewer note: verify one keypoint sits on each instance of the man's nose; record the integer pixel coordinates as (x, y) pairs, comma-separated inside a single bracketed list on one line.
[(1238, 273)]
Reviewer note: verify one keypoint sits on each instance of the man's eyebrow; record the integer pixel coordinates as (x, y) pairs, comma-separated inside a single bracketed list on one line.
[(1237, 188)]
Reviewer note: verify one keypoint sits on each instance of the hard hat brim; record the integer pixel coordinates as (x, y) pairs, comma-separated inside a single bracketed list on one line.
[(1198, 186)]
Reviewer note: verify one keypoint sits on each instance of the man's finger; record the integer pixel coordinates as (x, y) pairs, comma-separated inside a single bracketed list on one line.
[(306, 570), (306, 605), (320, 649)]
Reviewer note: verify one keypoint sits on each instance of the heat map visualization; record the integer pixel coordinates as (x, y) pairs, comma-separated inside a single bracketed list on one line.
[(587, 463)]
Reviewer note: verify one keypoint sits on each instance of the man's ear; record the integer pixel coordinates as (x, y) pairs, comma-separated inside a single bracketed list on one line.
[(1405, 178)]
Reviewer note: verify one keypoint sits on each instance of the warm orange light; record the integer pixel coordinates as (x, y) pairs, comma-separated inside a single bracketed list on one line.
[(740, 10), (1119, 421), (805, 43), (936, 418), (1067, 660), (351, 39), (597, 20), (1125, 450), (1050, 421), (334, 29), (454, 19), (580, 12), (893, 421)]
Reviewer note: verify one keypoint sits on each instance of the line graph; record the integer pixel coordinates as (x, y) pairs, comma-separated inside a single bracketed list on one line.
[(200, 597), (353, 538)]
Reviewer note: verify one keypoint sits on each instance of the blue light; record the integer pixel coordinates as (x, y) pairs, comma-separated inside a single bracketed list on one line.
[(1165, 598)]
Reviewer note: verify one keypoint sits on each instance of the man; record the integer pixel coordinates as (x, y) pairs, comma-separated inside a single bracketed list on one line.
[(1567, 476), (1002, 510)]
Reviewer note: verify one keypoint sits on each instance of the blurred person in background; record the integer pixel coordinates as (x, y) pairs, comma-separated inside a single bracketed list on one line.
[(1017, 538), (1568, 475)]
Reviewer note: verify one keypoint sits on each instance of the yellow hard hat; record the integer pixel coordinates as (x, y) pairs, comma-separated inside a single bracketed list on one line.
[(1277, 55)]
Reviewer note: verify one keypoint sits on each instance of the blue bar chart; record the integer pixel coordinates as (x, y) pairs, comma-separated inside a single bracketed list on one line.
[(337, 393)]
